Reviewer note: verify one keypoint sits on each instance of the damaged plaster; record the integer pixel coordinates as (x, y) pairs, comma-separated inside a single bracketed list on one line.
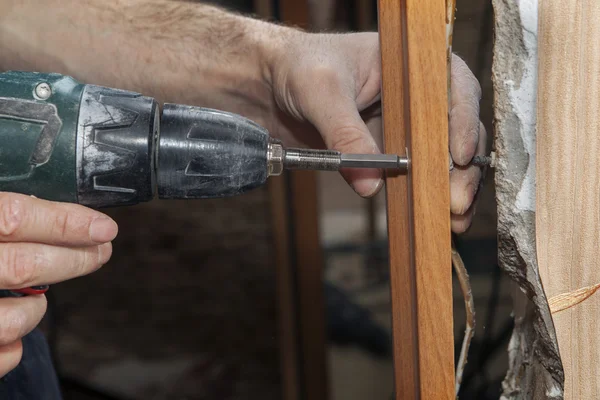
[(523, 96), (535, 370)]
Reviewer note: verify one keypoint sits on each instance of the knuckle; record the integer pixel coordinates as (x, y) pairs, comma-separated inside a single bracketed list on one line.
[(11, 325), (17, 267), (465, 113), (464, 76), (323, 73), (471, 137), (61, 224), (11, 213), (464, 139), (89, 260)]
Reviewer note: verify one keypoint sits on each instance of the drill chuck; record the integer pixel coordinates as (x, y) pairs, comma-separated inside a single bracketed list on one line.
[(205, 153), (185, 153)]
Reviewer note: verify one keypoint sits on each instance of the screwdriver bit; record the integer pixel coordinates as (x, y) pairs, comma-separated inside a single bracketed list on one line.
[(330, 160)]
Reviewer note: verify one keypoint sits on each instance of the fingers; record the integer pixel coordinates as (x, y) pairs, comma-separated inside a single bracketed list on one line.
[(10, 356), (28, 219), (343, 129), (464, 112), (460, 223), (464, 185), (349, 134), (31, 264), (464, 182), (41, 243), (19, 316)]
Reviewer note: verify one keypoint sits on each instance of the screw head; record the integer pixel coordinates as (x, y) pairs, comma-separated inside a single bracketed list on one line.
[(43, 91)]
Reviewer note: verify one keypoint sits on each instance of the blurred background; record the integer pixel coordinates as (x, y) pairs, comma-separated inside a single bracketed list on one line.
[(282, 293)]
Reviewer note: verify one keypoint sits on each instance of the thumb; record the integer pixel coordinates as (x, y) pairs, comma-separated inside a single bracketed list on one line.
[(343, 130)]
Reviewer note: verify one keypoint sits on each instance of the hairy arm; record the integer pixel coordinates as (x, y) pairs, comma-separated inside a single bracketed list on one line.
[(175, 51)]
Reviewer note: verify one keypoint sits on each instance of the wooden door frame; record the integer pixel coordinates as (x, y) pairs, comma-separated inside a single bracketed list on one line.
[(415, 120)]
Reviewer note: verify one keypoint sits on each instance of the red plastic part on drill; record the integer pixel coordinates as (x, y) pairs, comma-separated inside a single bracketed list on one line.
[(33, 290)]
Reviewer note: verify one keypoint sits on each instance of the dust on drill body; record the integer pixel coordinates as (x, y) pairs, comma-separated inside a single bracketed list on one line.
[(66, 141)]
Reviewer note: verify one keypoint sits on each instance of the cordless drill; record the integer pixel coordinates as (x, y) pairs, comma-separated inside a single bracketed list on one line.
[(66, 141)]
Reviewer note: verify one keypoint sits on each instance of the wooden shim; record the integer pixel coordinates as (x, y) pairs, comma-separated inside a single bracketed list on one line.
[(568, 181), (415, 117)]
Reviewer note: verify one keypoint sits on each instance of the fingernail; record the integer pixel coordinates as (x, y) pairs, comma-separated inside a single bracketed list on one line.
[(368, 187), (376, 187), (103, 230)]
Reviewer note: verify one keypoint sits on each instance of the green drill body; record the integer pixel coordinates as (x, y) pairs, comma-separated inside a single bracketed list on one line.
[(38, 137)]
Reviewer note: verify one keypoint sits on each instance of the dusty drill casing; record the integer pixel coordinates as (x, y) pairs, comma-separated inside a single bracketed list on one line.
[(67, 141)]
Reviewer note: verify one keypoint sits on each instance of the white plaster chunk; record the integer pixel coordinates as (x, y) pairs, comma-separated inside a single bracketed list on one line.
[(523, 99)]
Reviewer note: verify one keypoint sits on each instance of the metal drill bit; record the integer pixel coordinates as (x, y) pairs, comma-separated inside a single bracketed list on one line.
[(329, 160), (387, 161)]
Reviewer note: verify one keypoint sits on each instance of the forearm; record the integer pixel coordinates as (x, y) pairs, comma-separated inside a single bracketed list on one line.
[(177, 52)]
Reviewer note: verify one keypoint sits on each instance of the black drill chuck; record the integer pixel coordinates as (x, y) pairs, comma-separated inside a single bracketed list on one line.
[(192, 153), (204, 153)]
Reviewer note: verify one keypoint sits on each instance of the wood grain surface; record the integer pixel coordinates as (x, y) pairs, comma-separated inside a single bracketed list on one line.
[(568, 181), (415, 114)]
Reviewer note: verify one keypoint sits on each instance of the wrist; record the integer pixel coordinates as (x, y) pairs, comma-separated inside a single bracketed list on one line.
[(273, 42)]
